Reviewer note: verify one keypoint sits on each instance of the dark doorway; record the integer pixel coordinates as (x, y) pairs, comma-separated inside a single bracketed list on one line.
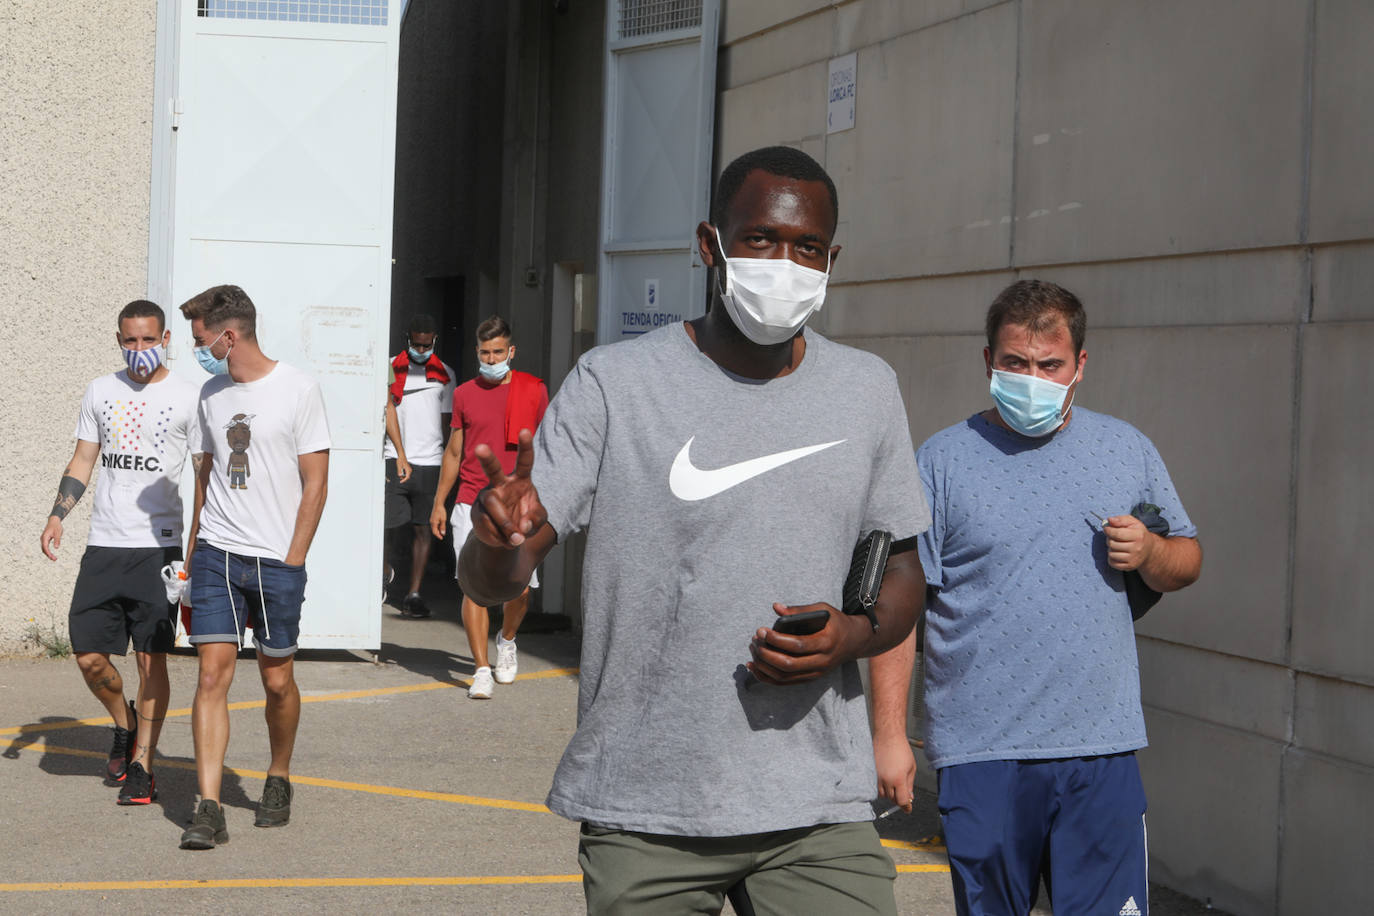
[(445, 295), (450, 115)]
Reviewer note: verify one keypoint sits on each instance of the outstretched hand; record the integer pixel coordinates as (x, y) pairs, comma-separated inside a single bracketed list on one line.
[(507, 510)]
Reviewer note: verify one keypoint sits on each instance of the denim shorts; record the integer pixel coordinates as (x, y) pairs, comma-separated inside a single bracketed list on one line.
[(230, 592)]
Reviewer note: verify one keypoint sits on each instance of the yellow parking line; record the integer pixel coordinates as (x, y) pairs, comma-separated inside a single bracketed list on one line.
[(193, 884), (37, 727), (452, 798), (408, 793), (394, 791), (927, 845)]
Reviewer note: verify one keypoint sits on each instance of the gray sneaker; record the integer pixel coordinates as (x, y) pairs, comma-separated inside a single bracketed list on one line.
[(207, 828), (274, 809)]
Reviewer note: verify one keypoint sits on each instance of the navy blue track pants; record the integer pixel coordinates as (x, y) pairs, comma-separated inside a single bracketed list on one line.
[(1078, 822)]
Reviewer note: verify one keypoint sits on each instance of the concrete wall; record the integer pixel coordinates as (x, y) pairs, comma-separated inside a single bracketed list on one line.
[(75, 147), (1198, 174)]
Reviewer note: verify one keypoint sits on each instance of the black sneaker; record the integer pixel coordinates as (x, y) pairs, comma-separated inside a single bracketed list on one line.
[(139, 786), (274, 809), (207, 828), (122, 748), (414, 607)]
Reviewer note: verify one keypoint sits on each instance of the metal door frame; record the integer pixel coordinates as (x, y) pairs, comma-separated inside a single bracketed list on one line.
[(707, 35)]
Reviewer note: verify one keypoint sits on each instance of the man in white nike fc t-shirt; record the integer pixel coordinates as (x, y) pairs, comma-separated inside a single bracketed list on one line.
[(140, 424), (723, 469)]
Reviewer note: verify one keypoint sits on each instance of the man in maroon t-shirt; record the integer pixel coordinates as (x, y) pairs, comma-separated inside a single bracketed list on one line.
[(491, 408)]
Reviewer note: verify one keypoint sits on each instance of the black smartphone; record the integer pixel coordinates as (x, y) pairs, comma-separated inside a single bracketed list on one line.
[(803, 624)]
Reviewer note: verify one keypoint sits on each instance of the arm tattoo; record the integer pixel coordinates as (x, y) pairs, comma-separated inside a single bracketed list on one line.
[(197, 460), (69, 490)]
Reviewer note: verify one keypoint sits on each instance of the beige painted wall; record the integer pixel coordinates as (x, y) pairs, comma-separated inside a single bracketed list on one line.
[(75, 148), (1198, 173)]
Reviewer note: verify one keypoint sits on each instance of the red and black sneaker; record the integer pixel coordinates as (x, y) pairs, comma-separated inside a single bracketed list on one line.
[(122, 748), (139, 786)]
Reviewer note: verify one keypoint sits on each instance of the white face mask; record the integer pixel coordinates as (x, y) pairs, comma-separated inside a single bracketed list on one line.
[(769, 299)]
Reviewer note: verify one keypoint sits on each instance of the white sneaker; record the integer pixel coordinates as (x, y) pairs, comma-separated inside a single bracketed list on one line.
[(481, 686), (506, 664)]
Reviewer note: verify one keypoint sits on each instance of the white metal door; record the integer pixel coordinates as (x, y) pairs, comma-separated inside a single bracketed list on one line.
[(283, 115), (656, 162)]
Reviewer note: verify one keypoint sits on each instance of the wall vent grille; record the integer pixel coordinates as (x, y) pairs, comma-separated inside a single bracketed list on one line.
[(345, 12), (648, 17)]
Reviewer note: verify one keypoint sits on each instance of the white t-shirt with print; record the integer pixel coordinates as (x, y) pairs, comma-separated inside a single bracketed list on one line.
[(144, 432), (422, 402), (255, 432)]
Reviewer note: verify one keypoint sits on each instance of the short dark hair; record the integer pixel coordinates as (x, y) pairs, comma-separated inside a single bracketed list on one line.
[(221, 304), (422, 324), (783, 161), (492, 328), (142, 308), (1037, 304)]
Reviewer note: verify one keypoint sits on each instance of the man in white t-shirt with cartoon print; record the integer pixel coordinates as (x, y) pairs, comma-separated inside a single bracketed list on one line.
[(260, 491)]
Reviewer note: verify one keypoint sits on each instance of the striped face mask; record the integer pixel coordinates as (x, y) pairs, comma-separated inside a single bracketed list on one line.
[(143, 363)]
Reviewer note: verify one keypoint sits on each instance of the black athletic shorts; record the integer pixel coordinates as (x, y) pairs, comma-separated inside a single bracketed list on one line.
[(119, 595), (413, 500)]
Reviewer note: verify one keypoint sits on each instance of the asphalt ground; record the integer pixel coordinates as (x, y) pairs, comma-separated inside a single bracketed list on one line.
[(408, 795)]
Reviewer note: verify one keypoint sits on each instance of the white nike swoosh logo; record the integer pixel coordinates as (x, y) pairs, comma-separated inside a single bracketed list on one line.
[(691, 483)]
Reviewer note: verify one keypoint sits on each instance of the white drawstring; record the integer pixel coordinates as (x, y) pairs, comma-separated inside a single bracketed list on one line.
[(238, 634), (262, 597)]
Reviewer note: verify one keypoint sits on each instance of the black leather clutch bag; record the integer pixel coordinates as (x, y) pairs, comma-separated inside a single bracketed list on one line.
[(865, 577)]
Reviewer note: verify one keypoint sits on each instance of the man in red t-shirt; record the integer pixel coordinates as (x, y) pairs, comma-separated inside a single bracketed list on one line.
[(492, 409)]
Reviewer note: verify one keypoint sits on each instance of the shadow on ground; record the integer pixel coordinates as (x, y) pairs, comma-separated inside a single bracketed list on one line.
[(176, 776)]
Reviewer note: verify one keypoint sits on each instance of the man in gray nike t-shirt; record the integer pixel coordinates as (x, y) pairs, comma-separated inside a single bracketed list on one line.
[(723, 470)]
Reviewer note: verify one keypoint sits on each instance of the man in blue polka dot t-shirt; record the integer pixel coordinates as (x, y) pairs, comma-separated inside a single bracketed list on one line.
[(1032, 689)]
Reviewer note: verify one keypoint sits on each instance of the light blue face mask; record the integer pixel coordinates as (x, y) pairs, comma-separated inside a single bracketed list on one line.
[(1032, 406), (494, 372), (208, 362), (420, 357)]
